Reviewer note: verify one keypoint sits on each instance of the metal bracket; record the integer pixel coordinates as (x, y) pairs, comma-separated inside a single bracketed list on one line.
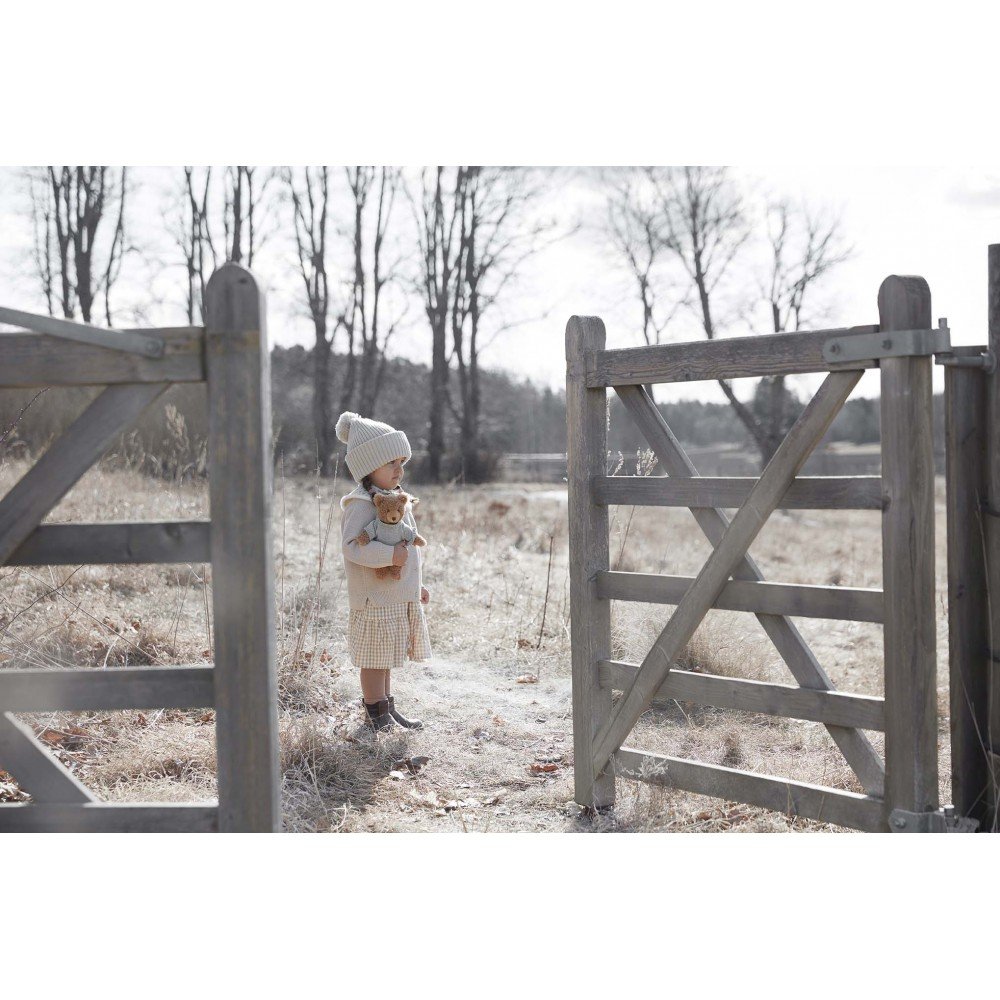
[(986, 361), (943, 820), (890, 344), (85, 333)]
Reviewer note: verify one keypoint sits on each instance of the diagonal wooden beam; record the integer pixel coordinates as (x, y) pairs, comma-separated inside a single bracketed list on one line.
[(36, 770), (791, 455), (857, 749), (68, 458)]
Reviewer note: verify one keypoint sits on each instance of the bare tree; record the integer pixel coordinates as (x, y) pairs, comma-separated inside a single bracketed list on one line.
[(633, 227), (437, 216), (192, 234), (804, 246), (704, 223), (244, 212), (310, 213), (74, 264), (373, 191), (497, 235)]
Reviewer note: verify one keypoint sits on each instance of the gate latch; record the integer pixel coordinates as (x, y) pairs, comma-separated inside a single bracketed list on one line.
[(889, 344), (942, 820)]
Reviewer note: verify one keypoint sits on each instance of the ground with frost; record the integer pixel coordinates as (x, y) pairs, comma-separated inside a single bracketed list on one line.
[(496, 697)]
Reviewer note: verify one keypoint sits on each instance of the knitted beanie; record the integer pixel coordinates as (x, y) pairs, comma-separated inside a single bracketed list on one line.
[(370, 444)]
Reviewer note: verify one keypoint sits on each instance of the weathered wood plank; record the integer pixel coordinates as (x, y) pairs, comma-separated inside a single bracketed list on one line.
[(109, 817), (590, 621), (29, 360), (793, 798), (144, 342), (992, 512), (806, 493), (240, 470), (793, 600), (36, 770), (784, 700), (792, 647), (111, 542), (89, 689), (908, 556), (730, 357), (968, 613), (68, 458), (791, 455)]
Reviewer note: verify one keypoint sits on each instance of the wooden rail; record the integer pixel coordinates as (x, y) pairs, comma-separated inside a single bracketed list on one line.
[(793, 798), (89, 689), (109, 817), (731, 357), (805, 493), (108, 542), (29, 360), (795, 600), (832, 708)]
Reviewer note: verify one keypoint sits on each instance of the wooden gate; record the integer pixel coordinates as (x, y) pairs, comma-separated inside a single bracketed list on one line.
[(136, 367), (901, 792)]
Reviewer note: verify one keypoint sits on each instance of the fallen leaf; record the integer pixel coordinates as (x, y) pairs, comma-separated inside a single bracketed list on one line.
[(543, 768), (703, 815), (527, 679), (411, 764)]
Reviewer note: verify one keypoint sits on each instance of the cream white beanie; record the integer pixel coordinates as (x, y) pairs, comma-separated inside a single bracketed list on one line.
[(370, 444)]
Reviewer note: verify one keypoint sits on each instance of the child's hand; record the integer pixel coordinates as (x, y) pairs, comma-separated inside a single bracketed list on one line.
[(399, 554), (425, 595)]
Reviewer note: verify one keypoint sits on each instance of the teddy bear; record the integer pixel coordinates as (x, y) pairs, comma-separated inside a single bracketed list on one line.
[(389, 527)]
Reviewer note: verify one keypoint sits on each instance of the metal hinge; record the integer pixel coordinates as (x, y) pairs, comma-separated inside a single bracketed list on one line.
[(943, 820), (890, 344)]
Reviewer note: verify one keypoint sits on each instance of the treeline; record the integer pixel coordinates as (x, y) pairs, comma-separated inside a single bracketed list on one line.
[(366, 254), (518, 417)]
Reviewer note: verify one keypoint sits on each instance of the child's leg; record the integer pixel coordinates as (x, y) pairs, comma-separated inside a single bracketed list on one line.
[(387, 682), (374, 685)]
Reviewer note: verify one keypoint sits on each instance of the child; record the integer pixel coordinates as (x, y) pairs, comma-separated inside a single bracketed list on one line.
[(386, 617)]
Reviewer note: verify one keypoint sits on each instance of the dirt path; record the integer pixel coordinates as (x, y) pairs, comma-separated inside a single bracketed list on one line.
[(483, 732)]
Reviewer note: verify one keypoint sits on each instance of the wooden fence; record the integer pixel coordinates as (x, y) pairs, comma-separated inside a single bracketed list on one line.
[(230, 356), (901, 790)]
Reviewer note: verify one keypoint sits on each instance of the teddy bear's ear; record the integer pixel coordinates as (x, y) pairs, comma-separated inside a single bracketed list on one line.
[(378, 500)]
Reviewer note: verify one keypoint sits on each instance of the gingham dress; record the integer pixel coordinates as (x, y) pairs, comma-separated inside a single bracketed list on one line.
[(383, 637)]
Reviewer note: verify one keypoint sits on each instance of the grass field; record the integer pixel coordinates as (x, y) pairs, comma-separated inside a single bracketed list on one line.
[(496, 698)]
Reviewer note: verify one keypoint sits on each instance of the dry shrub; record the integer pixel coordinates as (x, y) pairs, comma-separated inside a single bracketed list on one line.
[(328, 771)]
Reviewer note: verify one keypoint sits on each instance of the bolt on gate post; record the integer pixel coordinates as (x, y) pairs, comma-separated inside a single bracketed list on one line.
[(904, 303), (240, 474), (590, 618)]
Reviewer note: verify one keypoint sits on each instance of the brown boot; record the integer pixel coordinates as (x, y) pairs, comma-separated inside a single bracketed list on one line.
[(404, 722), (378, 717)]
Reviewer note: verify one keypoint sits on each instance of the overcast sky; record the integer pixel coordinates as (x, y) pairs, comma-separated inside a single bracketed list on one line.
[(933, 221)]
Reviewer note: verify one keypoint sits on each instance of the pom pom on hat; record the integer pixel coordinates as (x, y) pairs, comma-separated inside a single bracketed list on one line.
[(344, 425)]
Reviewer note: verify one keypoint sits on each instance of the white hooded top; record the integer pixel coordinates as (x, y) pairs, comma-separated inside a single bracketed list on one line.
[(361, 561)]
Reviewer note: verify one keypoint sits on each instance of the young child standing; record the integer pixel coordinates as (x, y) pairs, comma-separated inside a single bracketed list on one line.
[(387, 622)]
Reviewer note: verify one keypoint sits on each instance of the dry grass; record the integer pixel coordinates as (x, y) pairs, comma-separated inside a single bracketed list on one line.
[(500, 750)]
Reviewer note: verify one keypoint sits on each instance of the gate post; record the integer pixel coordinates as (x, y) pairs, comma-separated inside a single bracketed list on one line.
[(904, 303), (239, 440), (968, 606), (590, 617), (992, 511)]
